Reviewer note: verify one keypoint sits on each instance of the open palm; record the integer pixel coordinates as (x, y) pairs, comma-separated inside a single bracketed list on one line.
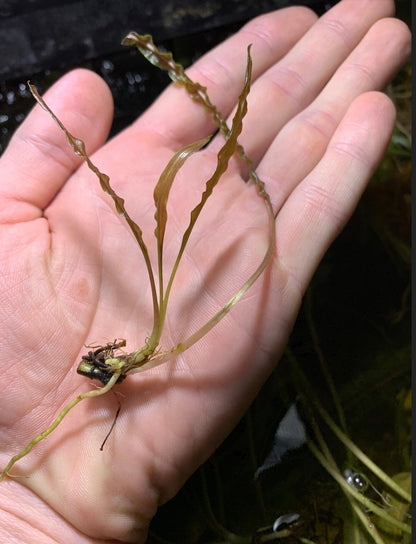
[(72, 274)]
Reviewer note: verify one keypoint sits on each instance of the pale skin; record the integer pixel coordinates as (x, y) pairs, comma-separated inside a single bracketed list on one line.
[(71, 274)]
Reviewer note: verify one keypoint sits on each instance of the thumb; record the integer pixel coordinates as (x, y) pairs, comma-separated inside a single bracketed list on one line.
[(38, 160)]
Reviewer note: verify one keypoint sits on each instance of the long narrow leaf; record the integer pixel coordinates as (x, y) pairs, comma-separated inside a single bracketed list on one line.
[(223, 158), (79, 149), (164, 61), (176, 72), (161, 195), (196, 91)]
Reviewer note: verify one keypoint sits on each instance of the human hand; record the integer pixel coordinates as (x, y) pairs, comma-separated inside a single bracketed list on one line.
[(72, 274)]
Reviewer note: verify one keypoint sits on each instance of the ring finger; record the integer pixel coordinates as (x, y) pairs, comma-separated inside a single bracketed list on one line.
[(303, 140)]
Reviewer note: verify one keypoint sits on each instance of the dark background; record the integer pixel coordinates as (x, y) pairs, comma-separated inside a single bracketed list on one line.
[(42, 34), (42, 39)]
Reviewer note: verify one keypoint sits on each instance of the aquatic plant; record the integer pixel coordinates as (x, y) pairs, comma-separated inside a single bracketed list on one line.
[(108, 363)]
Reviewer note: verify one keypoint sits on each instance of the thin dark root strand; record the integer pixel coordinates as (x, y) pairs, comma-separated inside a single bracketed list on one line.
[(112, 426)]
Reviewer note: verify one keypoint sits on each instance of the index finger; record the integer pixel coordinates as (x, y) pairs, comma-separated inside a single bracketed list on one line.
[(302, 52), (38, 161), (178, 120)]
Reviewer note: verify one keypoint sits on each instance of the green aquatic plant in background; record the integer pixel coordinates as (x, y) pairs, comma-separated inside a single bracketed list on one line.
[(370, 506), (108, 363), (367, 505), (384, 519)]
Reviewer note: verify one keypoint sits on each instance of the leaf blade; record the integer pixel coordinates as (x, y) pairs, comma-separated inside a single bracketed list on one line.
[(161, 195), (78, 146), (223, 157)]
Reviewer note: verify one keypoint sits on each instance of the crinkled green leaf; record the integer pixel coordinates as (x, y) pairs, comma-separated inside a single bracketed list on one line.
[(79, 148), (224, 156), (161, 196), (164, 61), (199, 94), (162, 189), (196, 91)]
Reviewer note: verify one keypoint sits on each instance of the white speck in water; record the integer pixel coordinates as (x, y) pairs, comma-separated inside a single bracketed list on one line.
[(130, 78), (10, 97), (107, 66), (23, 90), (18, 118)]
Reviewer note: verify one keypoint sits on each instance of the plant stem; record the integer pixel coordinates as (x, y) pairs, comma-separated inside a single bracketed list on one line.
[(358, 496), (52, 427)]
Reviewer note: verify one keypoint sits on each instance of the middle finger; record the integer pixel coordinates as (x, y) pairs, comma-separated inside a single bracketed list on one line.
[(289, 86)]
